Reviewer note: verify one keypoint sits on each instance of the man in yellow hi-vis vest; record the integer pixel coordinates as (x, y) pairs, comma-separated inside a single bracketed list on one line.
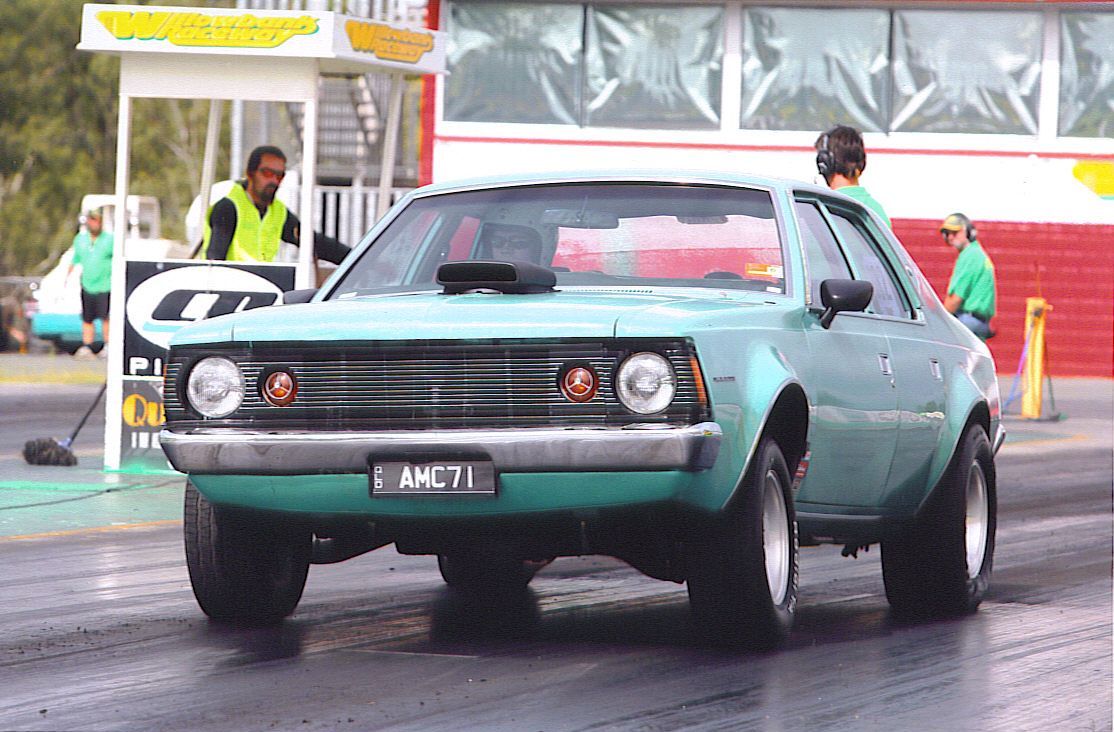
[(248, 223)]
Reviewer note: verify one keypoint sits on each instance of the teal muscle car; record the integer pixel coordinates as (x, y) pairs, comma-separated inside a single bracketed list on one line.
[(694, 373)]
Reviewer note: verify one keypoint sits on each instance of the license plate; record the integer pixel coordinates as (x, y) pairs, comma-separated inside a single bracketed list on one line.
[(436, 477)]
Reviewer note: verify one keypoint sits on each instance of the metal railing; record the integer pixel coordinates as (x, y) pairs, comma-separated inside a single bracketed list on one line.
[(348, 212), (388, 10)]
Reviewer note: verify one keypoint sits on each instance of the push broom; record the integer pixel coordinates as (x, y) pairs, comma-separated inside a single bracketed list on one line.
[(49, 451)]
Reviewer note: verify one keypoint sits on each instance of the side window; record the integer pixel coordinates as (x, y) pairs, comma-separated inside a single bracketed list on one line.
[(825, 260), (449, 240), (387, 262), (888, 299), (461, 243)]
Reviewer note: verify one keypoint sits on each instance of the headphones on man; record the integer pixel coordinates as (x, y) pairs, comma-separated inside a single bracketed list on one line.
[(825, 159)]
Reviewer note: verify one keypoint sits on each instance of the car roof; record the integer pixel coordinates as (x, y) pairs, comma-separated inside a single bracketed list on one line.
[(619, 175)]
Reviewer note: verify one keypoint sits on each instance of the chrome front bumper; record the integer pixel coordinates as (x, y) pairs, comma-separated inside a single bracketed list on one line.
[(256, 452)]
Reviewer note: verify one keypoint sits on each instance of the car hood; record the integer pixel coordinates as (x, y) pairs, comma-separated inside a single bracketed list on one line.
[(434, 316)]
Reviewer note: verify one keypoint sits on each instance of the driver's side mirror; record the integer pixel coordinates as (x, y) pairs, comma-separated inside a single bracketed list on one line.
[(843, 296), (295, 297)]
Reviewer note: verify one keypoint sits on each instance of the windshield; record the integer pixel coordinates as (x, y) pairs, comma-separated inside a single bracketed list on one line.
[(599, 234)]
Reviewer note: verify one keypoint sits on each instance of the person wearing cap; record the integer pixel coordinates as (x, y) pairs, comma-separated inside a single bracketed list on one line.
[(92, 249), (248, 224), (971, 291), (841, 159)]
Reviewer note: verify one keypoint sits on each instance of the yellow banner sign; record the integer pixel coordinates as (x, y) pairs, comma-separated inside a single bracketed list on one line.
[(1098, 175), (139, 412), (387, 43), (201, 29)]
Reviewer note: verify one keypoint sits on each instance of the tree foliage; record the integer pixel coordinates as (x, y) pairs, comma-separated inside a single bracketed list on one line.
[(58, 116)]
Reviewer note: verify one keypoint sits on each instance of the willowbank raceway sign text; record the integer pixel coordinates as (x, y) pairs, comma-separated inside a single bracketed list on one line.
[(387, 43), (288, 33), (207, 30)]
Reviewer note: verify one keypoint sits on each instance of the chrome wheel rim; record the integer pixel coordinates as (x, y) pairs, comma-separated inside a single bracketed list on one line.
[(977, 520), (775, 537)]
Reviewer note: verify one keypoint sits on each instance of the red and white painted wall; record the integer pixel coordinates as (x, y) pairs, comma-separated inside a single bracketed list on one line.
[(1043, 204)]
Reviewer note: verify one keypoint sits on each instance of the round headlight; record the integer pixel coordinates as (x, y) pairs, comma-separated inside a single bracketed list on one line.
[(646, 383), (215, 387)]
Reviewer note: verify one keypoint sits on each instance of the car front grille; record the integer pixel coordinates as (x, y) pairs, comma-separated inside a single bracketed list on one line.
[(436, 384)]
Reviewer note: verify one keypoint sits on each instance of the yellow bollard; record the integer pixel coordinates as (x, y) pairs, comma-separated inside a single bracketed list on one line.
[(1033, 377)]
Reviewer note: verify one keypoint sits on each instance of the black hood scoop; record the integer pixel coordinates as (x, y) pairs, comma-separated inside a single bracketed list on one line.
[(511, 278)]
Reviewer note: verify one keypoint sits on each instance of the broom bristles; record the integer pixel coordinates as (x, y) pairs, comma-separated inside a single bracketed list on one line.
[(48, 451)]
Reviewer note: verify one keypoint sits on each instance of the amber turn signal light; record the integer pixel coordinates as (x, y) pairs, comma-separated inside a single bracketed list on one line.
[(579, 384), (280, 388)]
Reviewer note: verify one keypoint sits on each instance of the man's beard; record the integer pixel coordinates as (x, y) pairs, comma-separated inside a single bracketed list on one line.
[(268, 193)]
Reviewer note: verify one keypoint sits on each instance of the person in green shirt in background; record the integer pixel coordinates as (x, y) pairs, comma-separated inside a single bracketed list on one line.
[(92, 249), (841, 159), (971, 291)]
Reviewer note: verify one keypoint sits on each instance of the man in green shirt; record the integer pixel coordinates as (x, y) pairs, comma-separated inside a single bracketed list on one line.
[(841, 159), (92, 249), (971, 293)]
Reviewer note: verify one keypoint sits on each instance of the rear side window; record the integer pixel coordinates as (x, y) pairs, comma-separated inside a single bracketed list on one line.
[(869, 265), (825, 260)]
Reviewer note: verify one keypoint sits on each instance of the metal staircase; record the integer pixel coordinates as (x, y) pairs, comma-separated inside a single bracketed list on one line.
[(352, 114)]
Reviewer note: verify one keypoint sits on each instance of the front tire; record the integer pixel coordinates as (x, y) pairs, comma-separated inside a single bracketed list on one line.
[(743, 573), (942, 567), (242, 571)]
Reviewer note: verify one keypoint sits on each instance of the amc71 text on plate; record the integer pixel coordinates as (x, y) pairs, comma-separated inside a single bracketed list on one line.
[(475, 477)]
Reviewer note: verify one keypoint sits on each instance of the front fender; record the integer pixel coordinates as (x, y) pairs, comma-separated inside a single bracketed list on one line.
[(742, 405)]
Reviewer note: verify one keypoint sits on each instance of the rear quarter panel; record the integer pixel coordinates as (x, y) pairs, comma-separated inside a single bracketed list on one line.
[(970, 380)]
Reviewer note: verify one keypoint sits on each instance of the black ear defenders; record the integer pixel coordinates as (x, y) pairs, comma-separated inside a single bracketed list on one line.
[(825, 160), (958, 219), (969, 226)]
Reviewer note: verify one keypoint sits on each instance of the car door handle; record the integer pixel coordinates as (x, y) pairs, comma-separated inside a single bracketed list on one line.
[(884, 364)]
